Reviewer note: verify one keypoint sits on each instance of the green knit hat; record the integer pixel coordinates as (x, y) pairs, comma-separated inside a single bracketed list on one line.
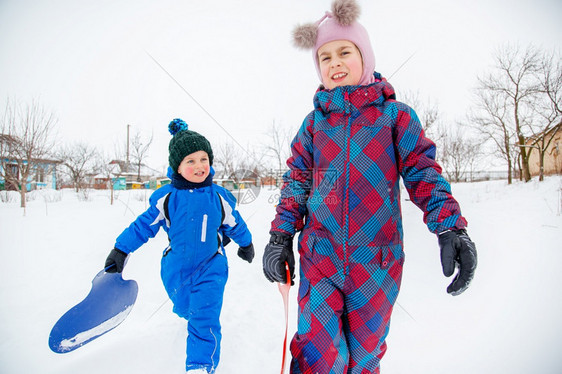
[(185, 142)]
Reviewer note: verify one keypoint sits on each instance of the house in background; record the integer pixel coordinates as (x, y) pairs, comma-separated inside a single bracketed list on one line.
[(42, 176), (128, 176), (552, 156)]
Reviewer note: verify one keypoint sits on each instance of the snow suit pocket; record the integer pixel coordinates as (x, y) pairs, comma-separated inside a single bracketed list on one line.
[(316, 245), (306, 243), (391, 255), (383, 256), (303, 300)]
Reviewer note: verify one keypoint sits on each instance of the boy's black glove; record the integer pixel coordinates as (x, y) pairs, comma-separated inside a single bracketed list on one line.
[(278, 251), (115, 261), (457, 250), (246, 253)]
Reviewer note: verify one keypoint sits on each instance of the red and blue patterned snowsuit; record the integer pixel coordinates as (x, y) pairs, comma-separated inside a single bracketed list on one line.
[(342, 192)]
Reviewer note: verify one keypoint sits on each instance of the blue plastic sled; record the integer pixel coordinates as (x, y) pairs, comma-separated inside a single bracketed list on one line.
[(107, 305)]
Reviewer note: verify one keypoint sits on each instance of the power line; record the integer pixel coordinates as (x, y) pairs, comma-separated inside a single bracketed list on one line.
[(404, 63), (195, 101)]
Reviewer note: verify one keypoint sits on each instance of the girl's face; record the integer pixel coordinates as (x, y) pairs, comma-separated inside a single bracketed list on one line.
[(195, 167), (340, 63)]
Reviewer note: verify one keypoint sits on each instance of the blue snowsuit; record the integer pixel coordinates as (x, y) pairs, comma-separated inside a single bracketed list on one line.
[(194, 267)]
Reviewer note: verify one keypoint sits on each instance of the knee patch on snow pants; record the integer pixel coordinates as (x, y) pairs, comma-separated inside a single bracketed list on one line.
[(344, 319)]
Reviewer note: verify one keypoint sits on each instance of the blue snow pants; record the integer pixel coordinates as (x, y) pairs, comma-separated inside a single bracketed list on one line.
[(197, 295)]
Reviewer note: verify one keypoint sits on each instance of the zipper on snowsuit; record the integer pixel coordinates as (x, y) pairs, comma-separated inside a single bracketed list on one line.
[(345, 211)]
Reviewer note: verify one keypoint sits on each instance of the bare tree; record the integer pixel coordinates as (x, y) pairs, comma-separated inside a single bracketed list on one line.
[(105, 167), (227, 158), (459, 154), (548, 107), (234, 162), (490, 119), (433, 125), (514, 84), (428, 113), (139, 151), (26, 138), (79, 159), (278, 147), (253, 161)]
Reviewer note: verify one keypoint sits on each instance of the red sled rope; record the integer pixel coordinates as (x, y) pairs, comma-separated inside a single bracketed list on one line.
[(284, 289)]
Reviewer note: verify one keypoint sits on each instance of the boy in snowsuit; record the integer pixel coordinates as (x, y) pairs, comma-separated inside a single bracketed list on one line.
[(199, 217), (342, 193)]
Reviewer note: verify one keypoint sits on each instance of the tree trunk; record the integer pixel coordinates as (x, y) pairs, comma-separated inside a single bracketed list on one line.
[(509, 168), (525, 169), (519, 168), (541, 165), (110, 186), (524, 161), (23, 190)]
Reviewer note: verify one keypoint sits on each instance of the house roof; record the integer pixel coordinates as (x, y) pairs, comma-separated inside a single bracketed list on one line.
[(555, 129), (12, 140), (131, 169)]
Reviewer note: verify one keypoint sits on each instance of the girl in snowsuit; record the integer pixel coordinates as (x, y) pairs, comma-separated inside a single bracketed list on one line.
[(342, 193), (199, 217)]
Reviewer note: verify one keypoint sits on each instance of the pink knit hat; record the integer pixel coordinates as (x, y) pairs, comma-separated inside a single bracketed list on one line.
[(339, 24)]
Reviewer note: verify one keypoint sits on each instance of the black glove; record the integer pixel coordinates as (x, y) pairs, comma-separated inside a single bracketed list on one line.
[(457, 250), (246, 253), (277, 252), (115, 261)]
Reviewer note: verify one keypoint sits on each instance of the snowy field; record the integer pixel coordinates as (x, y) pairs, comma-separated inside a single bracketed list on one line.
[(509, 321)]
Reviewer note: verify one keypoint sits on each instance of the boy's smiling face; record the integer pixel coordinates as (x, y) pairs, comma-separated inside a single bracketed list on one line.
[(195, 167), (340, 63)]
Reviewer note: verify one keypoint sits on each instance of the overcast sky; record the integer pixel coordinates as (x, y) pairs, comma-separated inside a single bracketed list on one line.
[(100, 65)]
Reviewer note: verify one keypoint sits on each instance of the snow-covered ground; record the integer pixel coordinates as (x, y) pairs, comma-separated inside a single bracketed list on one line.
[(509, 321)]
